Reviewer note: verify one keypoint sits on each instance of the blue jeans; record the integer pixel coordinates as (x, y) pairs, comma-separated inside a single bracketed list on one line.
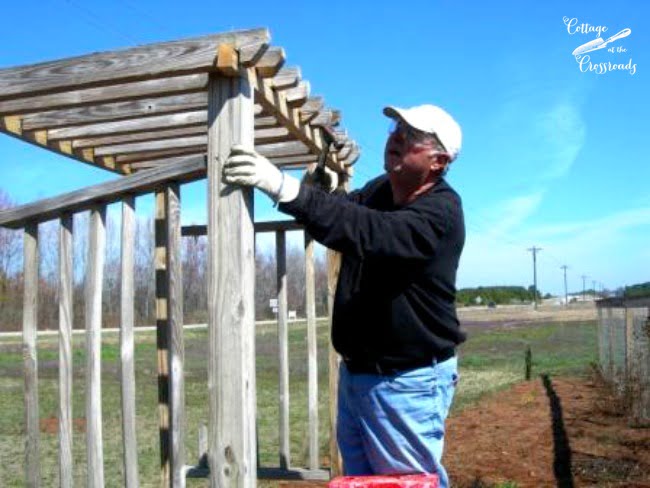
[(395, 424)]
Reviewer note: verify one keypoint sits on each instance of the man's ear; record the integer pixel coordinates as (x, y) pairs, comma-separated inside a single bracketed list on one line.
[(440, 162)]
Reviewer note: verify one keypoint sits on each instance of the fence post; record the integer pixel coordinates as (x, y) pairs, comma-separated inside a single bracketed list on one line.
[(127, 368), (30, 358), (93, 299), (333, 268), (65, 350), (231, 276), (283, 348), (312, 352)]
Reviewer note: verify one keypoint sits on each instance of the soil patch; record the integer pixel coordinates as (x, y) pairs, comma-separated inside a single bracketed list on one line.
[(547, 432)]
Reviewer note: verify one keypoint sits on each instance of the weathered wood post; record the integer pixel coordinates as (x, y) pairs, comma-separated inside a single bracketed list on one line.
[(30, 358), (93, 299), (65, 351), (231, 276), (312, 351), (127, 365), (283, 348)]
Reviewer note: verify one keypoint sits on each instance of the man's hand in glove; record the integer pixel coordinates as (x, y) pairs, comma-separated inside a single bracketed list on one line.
[(246, 167)]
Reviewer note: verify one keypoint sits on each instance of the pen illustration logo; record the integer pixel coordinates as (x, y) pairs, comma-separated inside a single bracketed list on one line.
[(598, 47)]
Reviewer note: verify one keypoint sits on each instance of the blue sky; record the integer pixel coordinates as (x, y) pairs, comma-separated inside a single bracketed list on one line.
[(553, 156)]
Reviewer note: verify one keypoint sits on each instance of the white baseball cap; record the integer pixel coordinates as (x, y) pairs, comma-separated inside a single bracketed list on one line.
[(432, 120)]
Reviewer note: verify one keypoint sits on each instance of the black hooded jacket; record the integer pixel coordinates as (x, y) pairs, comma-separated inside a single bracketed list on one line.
[(396, 290)]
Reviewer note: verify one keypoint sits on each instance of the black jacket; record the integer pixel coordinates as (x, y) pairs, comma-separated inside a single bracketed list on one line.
[(396, 291)]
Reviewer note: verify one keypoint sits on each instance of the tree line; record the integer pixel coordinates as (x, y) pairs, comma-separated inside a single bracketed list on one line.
[(194, 257)]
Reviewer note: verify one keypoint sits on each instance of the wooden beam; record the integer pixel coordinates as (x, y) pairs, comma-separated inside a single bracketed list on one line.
[(312, 351), (231, 274), (30, 357), (156, 135), (273, 226), (283, 349), (294, 161), (93, 301), (311, 108), (110, 112), (174, 85), (163, 154), (298, 96), (147, 146), (227, 60), (271, 61), (272, 135), (65, 350), (251, 53), (286, 78), (192, 118), (162, 335), (142, 182), (175, 341), (135, 64), (127, 348)]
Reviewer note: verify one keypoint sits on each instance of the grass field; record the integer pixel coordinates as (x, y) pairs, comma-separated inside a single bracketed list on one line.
[(491, 360)]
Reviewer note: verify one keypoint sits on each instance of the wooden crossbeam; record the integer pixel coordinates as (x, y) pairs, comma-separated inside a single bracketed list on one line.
[(286, 78), (135, 64), (271, 61), (174, 85), (133, 109), (142, 182)]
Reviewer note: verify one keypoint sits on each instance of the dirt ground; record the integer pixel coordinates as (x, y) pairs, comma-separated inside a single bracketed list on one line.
[(544, 433), (546, 312)]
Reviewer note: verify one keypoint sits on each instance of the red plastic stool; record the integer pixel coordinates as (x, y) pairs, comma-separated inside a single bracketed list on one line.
[(395, 481)]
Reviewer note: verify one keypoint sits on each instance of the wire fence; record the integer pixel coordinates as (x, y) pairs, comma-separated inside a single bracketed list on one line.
[(624, 352)]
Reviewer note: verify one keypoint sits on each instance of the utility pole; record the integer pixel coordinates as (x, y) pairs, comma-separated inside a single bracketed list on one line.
[(566, 293), (534, 250), (584, 280)]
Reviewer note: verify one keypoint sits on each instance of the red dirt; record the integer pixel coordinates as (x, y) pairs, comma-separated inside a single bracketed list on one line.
[(510, 437), (50, 425)]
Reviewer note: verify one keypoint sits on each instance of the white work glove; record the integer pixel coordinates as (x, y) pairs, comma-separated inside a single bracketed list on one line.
[(246, 167), (323, 178)]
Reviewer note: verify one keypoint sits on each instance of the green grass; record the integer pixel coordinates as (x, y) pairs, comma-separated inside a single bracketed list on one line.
[(491, 360)]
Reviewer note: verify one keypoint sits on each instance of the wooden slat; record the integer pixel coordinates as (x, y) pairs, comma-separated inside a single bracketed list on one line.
[(294, 161), (110, 112), (286, 78), (30, 358), (155, 135), (143, 182), (150, 146), (283, 348), (162, 335), (281, 149), (162, 154), (271, 61), (272, 135), (274, 226), (106, 94), (186, 119), (175, 325), (333, 268), (298, 96), (127, 360), (139, 63), (311, 108), (231, 272), (65, 351), (93, 301), (251, 53), (312, 351)]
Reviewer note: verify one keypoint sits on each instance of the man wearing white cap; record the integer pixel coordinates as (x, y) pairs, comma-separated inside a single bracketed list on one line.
[(394, 320)]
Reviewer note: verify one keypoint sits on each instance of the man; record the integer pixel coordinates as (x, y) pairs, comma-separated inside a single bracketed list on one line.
[(394, 322)]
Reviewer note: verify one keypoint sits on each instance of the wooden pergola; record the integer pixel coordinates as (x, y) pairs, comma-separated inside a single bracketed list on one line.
[(161, 115)]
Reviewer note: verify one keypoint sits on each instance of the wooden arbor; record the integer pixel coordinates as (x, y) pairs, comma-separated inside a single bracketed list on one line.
[(161, 115)]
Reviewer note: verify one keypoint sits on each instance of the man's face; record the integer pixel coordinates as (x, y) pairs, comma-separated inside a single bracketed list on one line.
[(408, 159)]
